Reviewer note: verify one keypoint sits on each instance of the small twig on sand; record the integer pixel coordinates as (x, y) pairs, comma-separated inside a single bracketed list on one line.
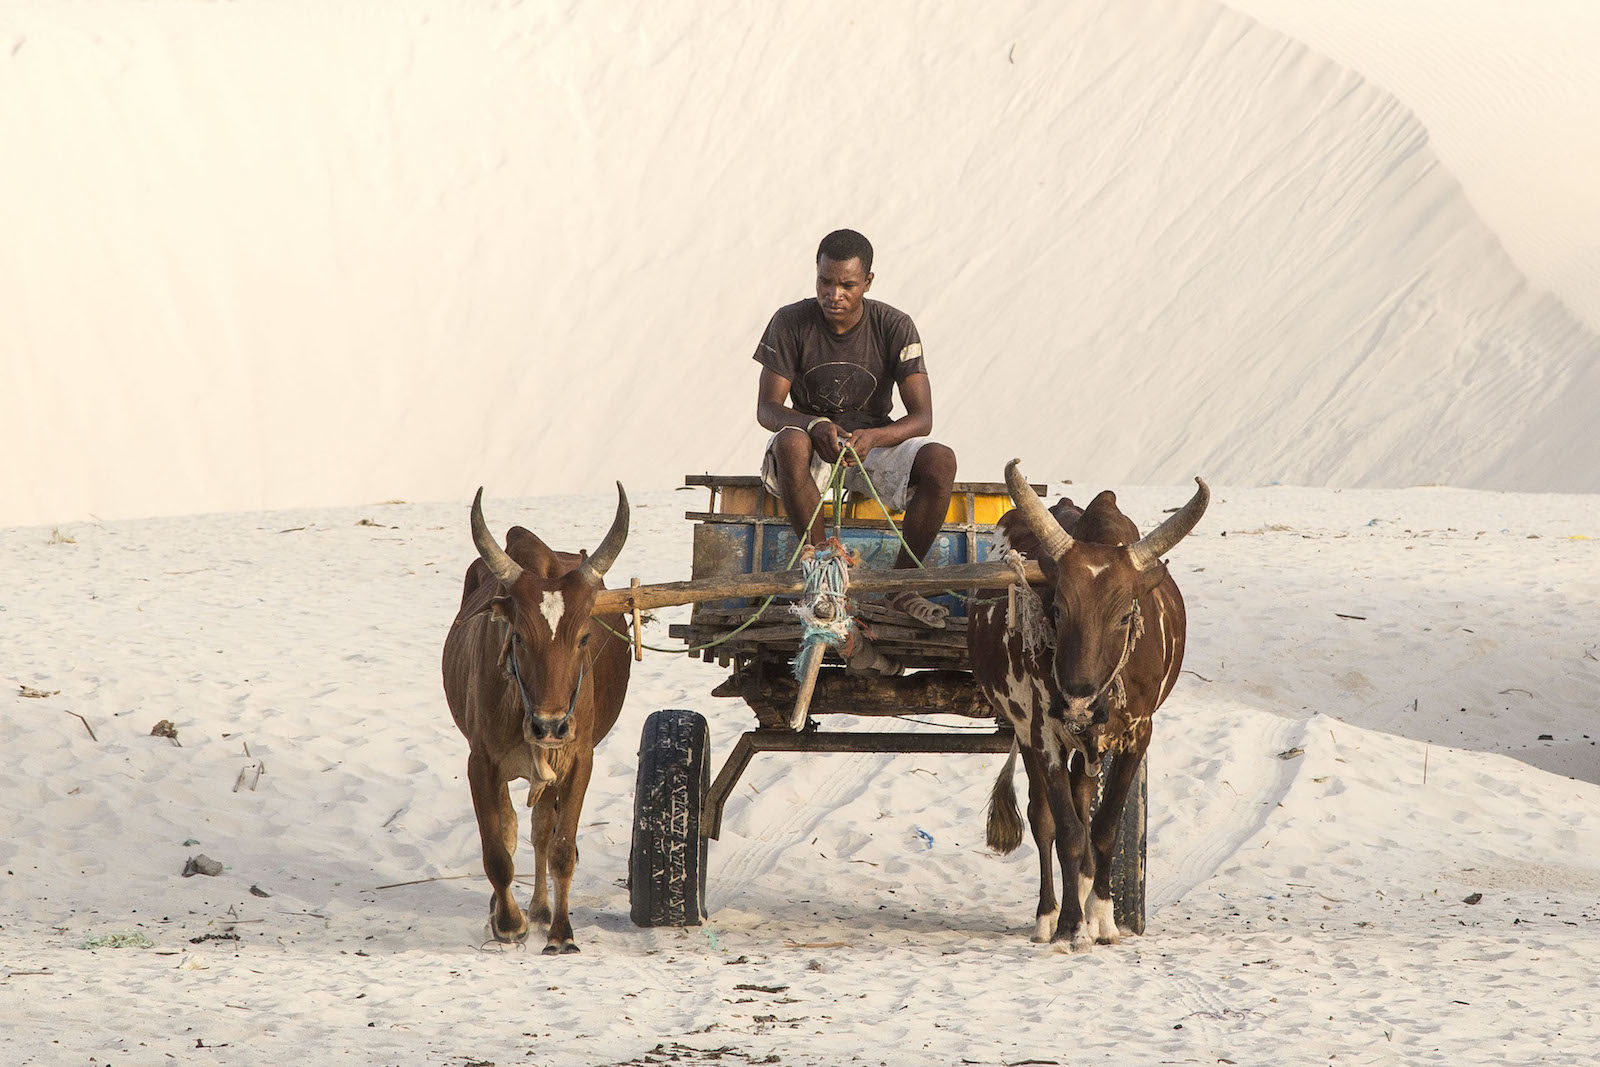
[(1342, 615), (1198, 675), (815, 944), (253, 780), (85, 722), (441, 878), (1424, 764)]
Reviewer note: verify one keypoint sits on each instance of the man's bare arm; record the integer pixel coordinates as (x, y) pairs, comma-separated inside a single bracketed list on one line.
[(772, 403), (774, 413)]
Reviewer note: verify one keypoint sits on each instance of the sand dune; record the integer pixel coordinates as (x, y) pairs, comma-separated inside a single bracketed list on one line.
[(281, 254)]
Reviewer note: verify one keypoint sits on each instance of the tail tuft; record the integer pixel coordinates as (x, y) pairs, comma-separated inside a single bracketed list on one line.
[(1004, 830)]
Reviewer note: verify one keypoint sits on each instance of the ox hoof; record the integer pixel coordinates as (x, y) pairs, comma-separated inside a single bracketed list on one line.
[(1082, 942), (564, 948), (515, 934), (503, 937)]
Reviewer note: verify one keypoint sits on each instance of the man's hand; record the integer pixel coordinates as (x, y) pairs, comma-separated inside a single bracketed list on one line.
[(826, 438), (863, 441)]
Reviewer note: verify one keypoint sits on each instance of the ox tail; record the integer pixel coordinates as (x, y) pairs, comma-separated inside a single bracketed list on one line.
[(1004, 830)]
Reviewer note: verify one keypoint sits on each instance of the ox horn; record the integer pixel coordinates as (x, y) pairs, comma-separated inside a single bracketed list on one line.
[(595, 567), (504, 567), (1149, 549), (1052, 538)]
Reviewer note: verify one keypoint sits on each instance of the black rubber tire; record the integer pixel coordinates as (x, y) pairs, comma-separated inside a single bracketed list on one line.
[(1128, 858), (667, 860)]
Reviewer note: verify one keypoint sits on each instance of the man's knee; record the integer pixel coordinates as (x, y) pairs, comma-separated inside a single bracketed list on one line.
[(935, 465), (791, 450)]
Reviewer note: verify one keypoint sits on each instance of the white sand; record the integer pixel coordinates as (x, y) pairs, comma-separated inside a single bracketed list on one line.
[(305, 257), (1300, 908)]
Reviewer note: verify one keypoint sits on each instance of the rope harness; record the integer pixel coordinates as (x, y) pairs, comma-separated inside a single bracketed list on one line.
[(1025, 614), (823, 609), (1119, 691), (522, 688)]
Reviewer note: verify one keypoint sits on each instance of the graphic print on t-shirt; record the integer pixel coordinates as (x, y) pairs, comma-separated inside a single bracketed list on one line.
[(837, 387)]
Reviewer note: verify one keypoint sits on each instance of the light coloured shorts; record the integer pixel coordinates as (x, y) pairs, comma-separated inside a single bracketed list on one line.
[(889, 468)]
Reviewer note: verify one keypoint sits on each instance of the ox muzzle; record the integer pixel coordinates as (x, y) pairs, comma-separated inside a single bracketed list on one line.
[(1080, 706), (547, 731)]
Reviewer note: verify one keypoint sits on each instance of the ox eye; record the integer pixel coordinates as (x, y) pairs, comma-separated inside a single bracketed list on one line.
[(1127, 617), (584, 640)]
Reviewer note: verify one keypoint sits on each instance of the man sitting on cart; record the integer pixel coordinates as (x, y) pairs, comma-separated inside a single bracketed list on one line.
[(829, 367)]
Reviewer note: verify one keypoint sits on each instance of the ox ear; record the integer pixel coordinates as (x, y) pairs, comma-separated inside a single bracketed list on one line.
[(501, 609), (1146, 580)]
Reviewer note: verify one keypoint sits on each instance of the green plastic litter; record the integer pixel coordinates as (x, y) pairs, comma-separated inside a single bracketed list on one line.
[(118, 941)]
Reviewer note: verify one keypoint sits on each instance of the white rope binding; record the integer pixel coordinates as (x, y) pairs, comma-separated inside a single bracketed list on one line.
[(822, 609), (1024, 609)]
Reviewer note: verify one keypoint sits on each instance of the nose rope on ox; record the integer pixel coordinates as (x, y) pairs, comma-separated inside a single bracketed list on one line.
[(1118, 690), (522, 688)]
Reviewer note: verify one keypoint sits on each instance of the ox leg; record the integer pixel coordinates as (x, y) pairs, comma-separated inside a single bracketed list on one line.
[(1085, 783), (497, 832), (1043, 825), (1103, 838), (544, 823), (563, 855), (1072, 849)]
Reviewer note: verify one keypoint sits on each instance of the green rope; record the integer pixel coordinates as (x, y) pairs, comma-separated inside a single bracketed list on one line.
[(836, 488), (873, 489), (836, 480)]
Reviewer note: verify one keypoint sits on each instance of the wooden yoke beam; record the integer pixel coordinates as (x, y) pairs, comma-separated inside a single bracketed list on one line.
[(763, 583)]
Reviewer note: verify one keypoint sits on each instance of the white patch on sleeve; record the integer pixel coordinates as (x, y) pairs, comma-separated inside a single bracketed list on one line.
[(551, 607), (910, 352)]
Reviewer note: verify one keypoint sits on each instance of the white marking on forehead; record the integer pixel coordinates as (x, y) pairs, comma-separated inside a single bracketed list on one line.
[(552, 607), (1094, 569)]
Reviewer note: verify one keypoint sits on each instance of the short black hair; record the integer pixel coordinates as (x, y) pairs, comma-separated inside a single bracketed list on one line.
[(842, 245)]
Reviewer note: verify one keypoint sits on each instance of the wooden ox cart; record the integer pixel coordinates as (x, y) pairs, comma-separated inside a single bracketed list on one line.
[(742, 549)]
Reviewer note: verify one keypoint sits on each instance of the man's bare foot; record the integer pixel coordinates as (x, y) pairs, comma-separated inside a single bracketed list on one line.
[(922, 610)]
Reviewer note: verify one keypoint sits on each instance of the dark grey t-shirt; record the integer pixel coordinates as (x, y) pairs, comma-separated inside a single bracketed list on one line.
[(849, 377)]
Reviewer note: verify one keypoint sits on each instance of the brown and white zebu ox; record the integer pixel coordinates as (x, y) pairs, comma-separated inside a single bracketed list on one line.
[(1082, 678), (534, 683)]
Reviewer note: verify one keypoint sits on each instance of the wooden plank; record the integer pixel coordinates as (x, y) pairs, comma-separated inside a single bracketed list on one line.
[(789, 635), (840, 692), (994, 575), (748, 481)]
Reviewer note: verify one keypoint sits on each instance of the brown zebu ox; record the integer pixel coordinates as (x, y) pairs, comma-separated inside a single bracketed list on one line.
[(1084, 682), (534, 683)]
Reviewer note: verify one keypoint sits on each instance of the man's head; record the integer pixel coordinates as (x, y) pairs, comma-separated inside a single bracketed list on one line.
[(844, 274)]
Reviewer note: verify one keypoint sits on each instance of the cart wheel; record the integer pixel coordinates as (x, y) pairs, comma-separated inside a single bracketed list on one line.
[(667, 861), (1127, 860)]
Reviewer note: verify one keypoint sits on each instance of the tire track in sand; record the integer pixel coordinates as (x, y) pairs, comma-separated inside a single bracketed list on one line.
[(761, 851), (1238, 795)]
